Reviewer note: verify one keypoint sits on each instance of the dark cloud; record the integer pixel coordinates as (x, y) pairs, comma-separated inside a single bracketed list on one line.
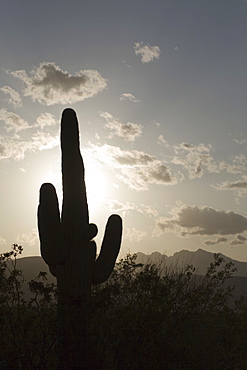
[(216, 241), (192, 220), (238, 187), (239, 240), (49, 85)]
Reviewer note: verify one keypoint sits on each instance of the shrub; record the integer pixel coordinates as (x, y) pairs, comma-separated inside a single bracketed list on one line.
[(143, 316)]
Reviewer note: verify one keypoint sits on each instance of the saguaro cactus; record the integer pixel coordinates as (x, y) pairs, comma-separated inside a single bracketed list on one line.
[(67, 245)]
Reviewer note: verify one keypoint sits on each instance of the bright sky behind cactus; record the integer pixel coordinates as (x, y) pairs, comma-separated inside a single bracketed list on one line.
[(160, 91)]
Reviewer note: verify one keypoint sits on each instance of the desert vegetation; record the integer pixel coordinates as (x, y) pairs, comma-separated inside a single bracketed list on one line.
[(141, 317)]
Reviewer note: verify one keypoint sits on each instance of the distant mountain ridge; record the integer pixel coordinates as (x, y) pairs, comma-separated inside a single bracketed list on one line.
[(200, 259)]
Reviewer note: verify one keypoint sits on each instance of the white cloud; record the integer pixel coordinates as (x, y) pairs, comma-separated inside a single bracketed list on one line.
[(148, 210), (127, 207), (42, 140), (238, 165), (162, 141), (16, 148), (126, 64), (156, 123), (127, 131), (134, 235), (135, 168), (195, 159), (49, 84), (13, 121), (242, 141), (192, 220), (2, 241), (129, 96), (14, 98), (28, 239), (148, 53), (45, 119)]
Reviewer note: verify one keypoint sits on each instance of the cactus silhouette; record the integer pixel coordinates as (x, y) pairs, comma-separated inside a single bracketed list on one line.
[(67, 246)]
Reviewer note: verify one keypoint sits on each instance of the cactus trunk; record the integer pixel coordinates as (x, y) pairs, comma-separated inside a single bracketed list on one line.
[(67, 247)]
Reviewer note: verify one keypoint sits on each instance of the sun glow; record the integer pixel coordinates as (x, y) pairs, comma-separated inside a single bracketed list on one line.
[(97, 188), (96, 179)]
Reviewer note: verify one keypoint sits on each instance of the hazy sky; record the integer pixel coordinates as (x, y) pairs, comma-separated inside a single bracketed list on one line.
[(160, 91)]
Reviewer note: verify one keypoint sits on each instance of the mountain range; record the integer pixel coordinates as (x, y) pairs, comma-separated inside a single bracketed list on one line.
[(200, 259)]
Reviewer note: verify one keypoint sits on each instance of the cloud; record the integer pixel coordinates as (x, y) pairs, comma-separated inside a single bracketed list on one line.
[(127, 207), (127, 131), (49, 84), (129, 96), (238, 165), (155, 123), (242, 141), (16, 148), (138, 178), (45, 119), (239, 240), (148, 53), (116, 206), (134, 235), (126, 64), (42, 140), (192, 220), (148, 210), (195, 159), (13, 121), (238, 187), (14, 98), (135, 168), (2, 241), (216, 241), (162, 141), (28, 239)]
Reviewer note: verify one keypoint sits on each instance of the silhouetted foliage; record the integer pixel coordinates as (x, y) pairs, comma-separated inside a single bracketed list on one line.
[(28, 330), (141, 317)]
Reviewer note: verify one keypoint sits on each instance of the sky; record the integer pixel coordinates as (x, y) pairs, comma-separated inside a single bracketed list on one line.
[(159, 88)]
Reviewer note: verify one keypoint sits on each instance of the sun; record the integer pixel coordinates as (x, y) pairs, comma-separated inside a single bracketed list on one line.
[(97, 182), (97, 188)]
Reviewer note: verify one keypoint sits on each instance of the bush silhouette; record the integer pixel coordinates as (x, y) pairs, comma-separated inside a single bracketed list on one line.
[(142, 316)]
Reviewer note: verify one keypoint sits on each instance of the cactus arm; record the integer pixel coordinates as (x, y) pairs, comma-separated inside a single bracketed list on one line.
[(51, 242), (104, 264)]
